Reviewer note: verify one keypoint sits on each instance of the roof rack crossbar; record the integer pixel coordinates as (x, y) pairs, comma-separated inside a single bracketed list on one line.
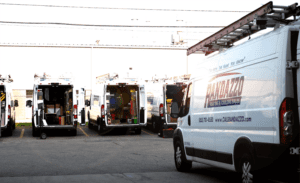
[(259, 19)]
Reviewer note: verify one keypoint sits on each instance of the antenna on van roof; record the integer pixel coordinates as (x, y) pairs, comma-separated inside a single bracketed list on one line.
[(259, 19)]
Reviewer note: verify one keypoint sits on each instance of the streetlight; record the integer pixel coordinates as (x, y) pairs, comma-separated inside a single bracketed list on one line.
[(186, 29)]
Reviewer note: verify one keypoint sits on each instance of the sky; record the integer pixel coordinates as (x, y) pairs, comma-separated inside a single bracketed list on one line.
[(87, 63)]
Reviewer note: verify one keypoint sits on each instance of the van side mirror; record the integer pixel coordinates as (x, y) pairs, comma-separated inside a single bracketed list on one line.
[(16, 103), (28, 103), (174, 110), (87, 103)]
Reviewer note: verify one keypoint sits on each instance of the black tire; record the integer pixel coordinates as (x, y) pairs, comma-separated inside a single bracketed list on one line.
[(74, 132), (34, 132), (89, 124), (154, 125), (246, 170), (138, 131), (9, 130), (43, 135), (161, 131), (181, 164), (99, 128)]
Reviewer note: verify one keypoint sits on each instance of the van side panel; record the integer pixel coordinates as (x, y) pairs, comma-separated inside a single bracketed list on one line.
[(241, 95)]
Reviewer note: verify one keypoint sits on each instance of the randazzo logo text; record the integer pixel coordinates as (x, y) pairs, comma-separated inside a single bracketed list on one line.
[(224, 93)]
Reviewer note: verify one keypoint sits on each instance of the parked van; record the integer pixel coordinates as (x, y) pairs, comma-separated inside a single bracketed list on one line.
[(8, 104), (241, 112), (160, 95), (117, 103), (55, 105)]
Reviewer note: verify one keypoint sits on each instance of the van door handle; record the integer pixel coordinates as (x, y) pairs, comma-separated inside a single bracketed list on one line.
[(189, 120)]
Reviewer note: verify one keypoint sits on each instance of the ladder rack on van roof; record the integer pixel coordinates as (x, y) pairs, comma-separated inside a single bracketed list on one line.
[(181, 78), (46, 78), (7, 79), (259, 19), (114, 78)]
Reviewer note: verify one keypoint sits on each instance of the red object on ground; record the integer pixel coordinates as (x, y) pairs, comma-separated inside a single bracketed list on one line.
[(59, 119)]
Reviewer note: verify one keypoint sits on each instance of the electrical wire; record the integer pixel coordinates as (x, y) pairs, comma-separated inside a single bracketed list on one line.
[(111, 8), (94, 25), (102, 29)]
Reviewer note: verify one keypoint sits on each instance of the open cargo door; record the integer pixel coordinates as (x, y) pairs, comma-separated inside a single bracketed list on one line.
[(296, 58), (143, 106), (0, 121), (2, 107), (81, 107)]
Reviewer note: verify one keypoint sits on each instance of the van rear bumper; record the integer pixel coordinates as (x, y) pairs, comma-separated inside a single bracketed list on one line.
[(170, 125), (56, 127), (126, 126), (282, 161)]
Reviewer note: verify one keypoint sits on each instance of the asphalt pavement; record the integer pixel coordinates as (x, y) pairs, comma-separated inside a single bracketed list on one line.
[(88, 157)]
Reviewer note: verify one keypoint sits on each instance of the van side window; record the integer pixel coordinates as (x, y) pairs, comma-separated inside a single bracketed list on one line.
[(96, 100), (184, 110), (92, 100)]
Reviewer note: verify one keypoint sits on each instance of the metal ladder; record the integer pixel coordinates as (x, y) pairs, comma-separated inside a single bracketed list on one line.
[(268, 15)]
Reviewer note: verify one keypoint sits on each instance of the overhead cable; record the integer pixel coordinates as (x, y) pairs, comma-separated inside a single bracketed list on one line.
[(102, 29), (113, 8), (94, 25)]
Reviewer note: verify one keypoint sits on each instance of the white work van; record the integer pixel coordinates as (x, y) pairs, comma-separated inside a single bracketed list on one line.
[(159, 98), (118, 103), (241, 112), (56, 105), (8, 104)]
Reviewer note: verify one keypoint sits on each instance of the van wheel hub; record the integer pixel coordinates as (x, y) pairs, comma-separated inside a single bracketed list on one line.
[(247, 177), (178, 156)]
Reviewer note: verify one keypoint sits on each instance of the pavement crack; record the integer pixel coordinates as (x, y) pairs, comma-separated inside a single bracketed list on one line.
[(117, 144)]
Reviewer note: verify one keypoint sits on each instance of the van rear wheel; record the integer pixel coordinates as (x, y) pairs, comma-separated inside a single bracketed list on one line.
[(33, 130), (9, 130), (246, 170), (74, 132), (138, 131), (182, 165), (90, 124), (100, 129)]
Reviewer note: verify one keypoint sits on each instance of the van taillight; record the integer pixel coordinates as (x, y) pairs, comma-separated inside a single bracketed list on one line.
[(102, 111), (75, 111), (161, 109), (9, 110), (286, 121)]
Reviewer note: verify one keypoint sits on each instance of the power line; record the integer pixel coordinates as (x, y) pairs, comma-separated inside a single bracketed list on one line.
[(104, 46), (111, 8), (107, 29), (94, 25)]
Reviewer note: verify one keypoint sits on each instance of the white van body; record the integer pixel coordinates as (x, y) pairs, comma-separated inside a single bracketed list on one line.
[(7, 107), (160, 95), (107, 112), (233, 105), (56, 105)]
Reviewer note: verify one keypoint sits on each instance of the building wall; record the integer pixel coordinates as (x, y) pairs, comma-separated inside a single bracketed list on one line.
[(20, 95)]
